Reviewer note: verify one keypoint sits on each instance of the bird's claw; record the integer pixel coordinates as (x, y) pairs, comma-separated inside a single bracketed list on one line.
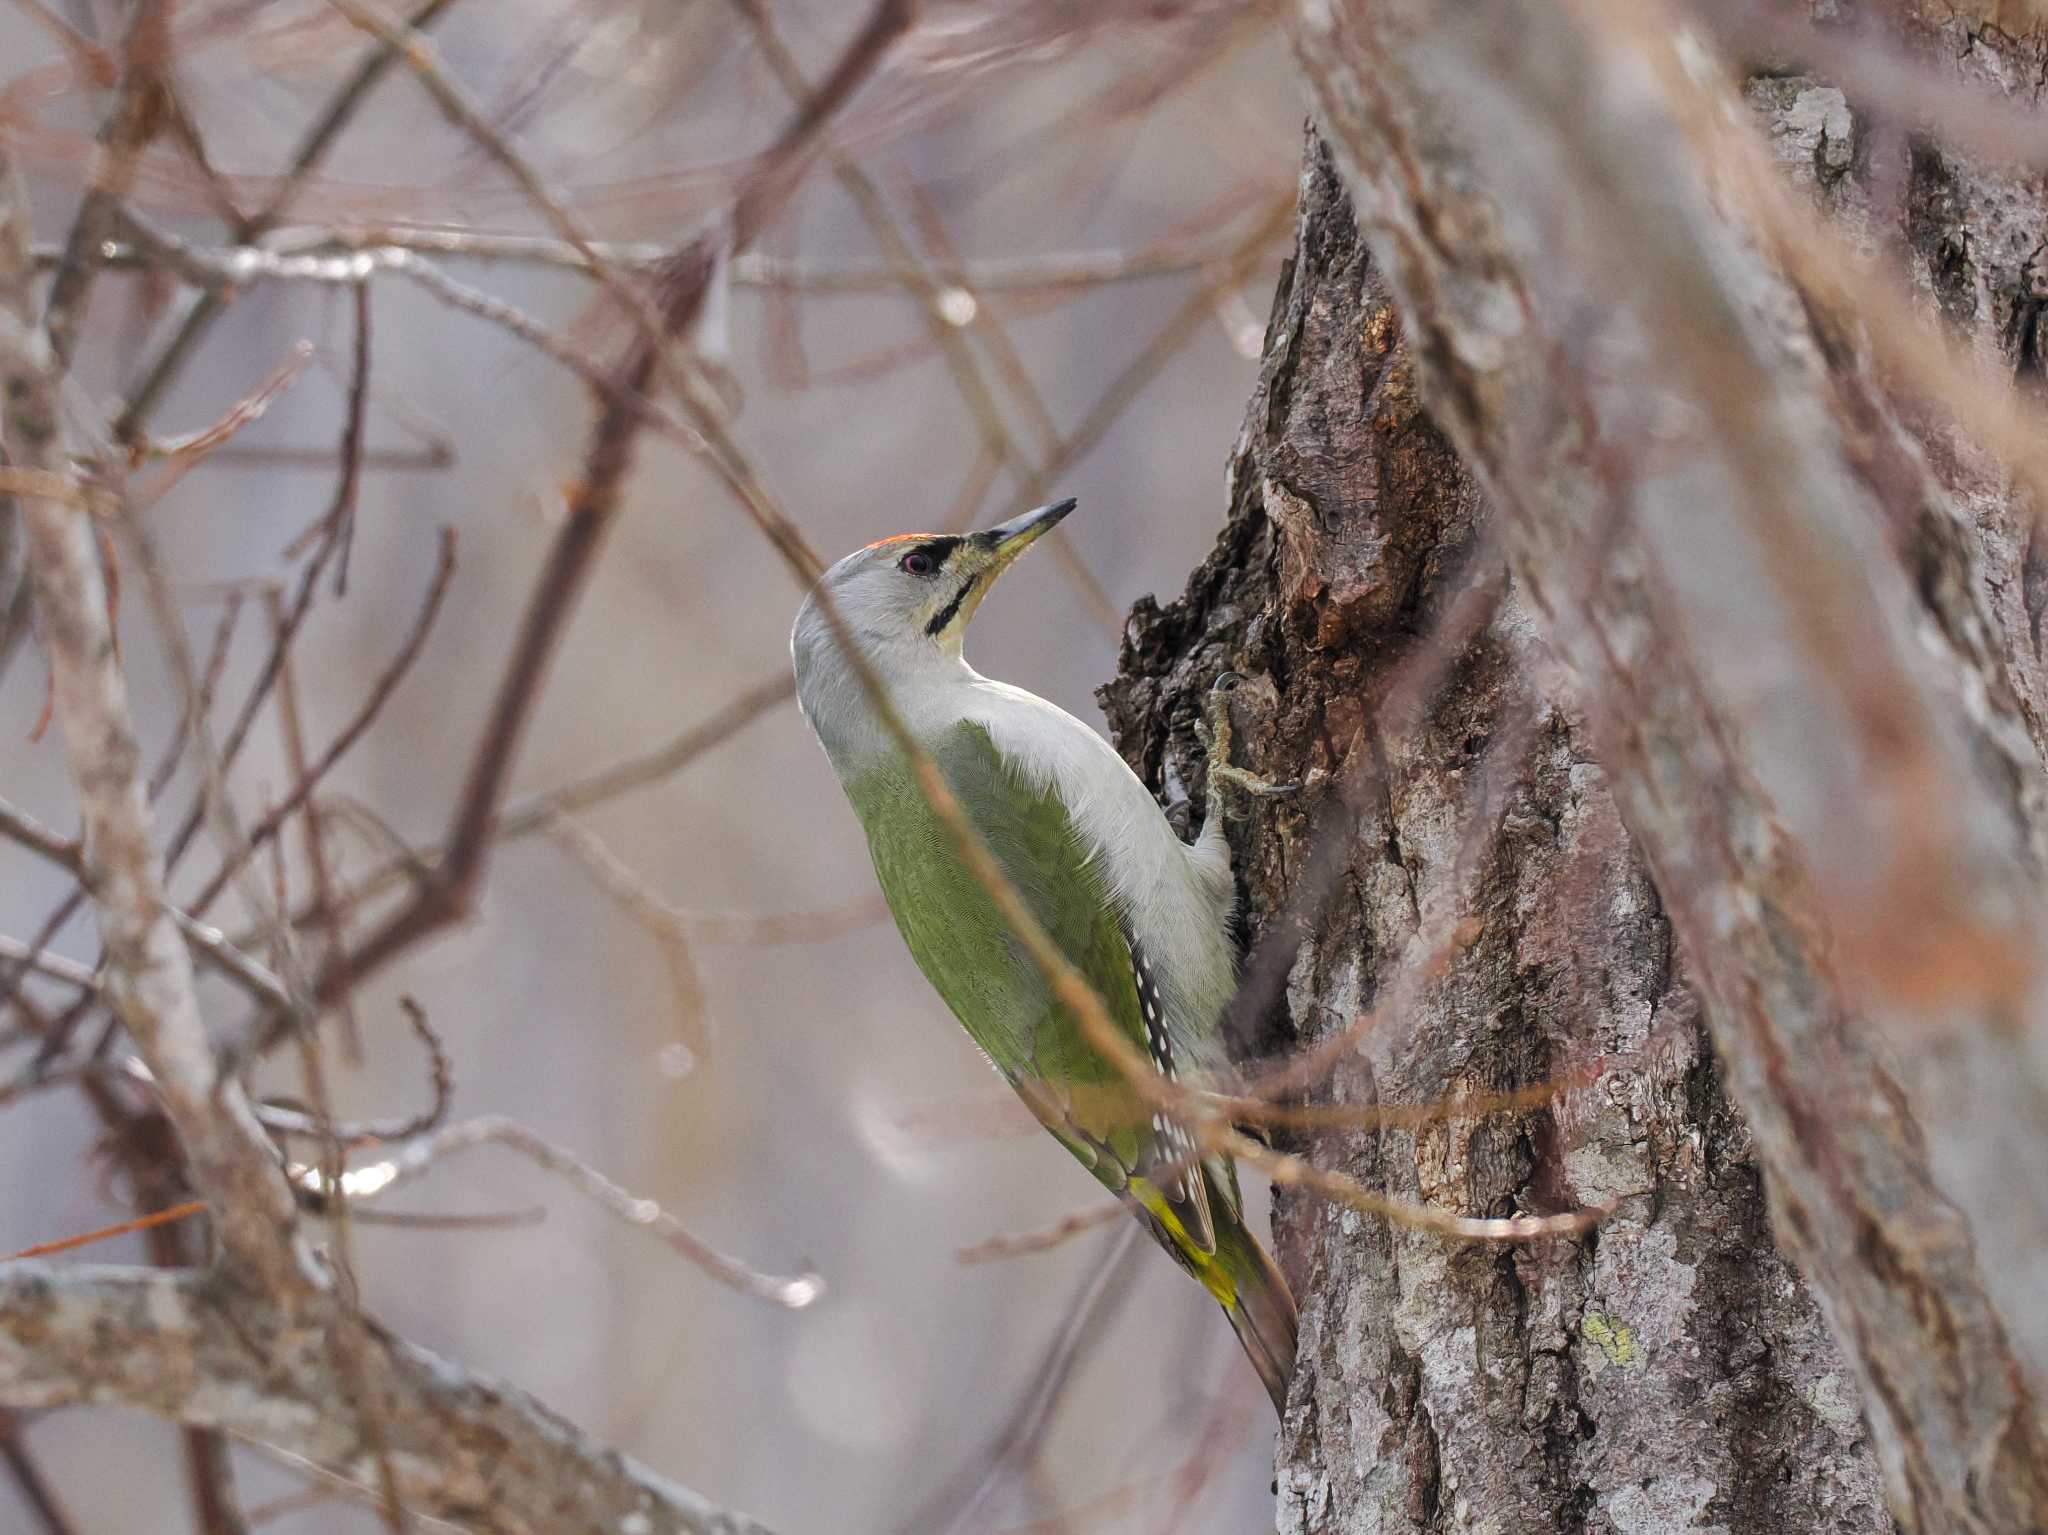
[(1215, 723), (1251, 783), (1222, 774)]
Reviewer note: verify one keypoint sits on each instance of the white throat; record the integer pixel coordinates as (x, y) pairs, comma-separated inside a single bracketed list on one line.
[(917, 672)]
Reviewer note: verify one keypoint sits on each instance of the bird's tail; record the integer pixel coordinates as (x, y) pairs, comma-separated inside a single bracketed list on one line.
[(1262, 1308), (1243, 1277)]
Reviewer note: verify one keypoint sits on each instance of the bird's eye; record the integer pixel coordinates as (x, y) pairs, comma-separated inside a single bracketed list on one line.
[(917, 563)]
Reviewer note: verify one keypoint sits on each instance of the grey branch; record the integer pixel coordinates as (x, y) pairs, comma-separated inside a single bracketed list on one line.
[(414, 1159), (467, 1449), (149, 972)]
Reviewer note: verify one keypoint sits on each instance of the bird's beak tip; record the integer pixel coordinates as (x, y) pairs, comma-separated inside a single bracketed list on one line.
[(1009, 539)]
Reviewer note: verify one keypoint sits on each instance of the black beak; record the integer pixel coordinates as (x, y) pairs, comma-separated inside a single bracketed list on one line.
[(1010, 538)]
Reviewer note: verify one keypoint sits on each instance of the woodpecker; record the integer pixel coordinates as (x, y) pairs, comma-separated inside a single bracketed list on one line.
[(1142, 915)]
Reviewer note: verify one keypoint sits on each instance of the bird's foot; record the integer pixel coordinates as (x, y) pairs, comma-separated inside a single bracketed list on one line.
[(1222, 774)]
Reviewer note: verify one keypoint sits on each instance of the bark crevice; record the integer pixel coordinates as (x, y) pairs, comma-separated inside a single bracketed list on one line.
[(1671, 1371)]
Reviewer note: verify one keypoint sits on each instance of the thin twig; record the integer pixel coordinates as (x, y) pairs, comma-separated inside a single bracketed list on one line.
[(289, 256), (138, 114), (29, 1480), (445, 896), (291, 729), (20, 826), (209, 684), (962, 1502), (1016, 1244), (415, 1159), (54, 966), (244, 412), (357, 1135), (304, 782), (179, 1212), (534, 814), (208, 306)]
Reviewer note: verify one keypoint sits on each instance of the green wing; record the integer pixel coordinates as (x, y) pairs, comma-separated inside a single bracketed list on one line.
[(983, 973)]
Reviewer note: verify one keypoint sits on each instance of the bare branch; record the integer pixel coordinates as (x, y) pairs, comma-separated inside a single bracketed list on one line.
[(150, 970), (534, 814), (380, 693), (1065, 1229), (447, 894), (313, 148), (413, 1161), (280, 1120), (29, 1480), (309, 255), (474, 1451)]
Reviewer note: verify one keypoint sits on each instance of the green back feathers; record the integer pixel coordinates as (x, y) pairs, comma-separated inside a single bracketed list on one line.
[(993, 987), (968, 953)]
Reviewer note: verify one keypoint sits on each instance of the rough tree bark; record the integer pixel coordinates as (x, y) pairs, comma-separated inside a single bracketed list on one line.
[(1675, 1365), (1486, 892)]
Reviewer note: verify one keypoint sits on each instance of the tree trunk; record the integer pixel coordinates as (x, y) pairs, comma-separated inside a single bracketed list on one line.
[(1462, 866)]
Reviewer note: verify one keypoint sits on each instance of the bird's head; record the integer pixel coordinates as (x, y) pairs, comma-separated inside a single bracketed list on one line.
[(906, 601)]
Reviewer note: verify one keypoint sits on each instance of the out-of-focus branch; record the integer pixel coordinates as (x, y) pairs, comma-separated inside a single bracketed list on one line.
[(207, 306), (29, 1481), (149, 971), (962, 1502), (472, 1451), (682, 284), (139, 111), (322, 254), (414, 1159), (1642, 395), (535, 813), (1227, 275), (1015, 1244), (275, 818), (935, 305)]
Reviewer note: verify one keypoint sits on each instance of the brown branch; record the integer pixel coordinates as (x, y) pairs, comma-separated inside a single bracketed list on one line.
[(29, 1480), (291, 728), (354, 1135), (312, 149), (534, 814), (178, 1344), (1016, 1244), (135, 1223), (209, 684), (184, 454), (137, 117), (445, 896), (306, 781)]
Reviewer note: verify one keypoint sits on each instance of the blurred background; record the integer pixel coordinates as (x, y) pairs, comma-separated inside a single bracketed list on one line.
[(791, 1089)]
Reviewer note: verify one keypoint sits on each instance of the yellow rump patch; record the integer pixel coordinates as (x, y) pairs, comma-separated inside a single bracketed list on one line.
[(1215, 1278)]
